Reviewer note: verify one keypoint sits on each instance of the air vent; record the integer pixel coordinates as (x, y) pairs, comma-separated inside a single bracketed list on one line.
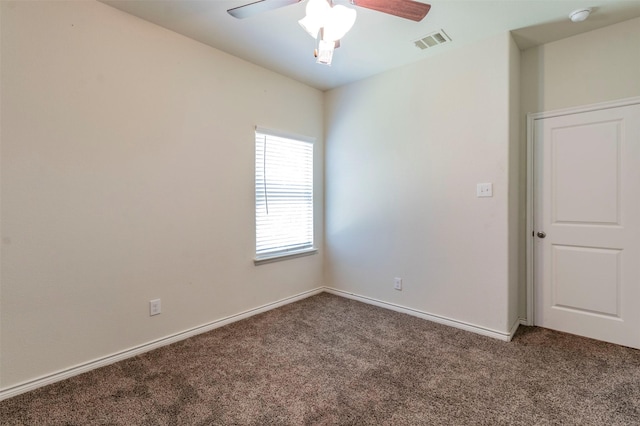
[(432, 39)]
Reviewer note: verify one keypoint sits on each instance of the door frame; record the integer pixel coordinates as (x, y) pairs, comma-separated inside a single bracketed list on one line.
[(530, 207)]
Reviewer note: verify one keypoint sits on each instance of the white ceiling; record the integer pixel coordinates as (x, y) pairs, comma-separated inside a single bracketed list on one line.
[(378, 41)]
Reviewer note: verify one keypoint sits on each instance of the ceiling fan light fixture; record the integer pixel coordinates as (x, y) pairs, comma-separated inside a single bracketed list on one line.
[(340, 21), (325, 52), (316, 15), (335, 20), (310, 25)]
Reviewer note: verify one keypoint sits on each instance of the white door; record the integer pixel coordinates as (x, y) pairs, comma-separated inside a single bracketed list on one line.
[(587, 202)]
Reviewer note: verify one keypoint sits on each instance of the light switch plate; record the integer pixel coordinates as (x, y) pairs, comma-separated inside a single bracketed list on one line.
[(485, 190)]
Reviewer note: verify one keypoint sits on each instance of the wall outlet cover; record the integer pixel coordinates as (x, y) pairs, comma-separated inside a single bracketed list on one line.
[(155, 307), (484, 190), (397, 283)]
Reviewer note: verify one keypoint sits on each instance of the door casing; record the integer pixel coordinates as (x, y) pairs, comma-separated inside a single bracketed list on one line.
[(531, 118)]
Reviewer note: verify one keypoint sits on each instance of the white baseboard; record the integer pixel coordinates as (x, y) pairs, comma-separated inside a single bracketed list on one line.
[(427, 316), (146, 347), (513, 329), (525, 321)]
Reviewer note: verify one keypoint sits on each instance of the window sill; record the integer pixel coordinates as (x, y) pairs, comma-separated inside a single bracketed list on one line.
[(284, 256)]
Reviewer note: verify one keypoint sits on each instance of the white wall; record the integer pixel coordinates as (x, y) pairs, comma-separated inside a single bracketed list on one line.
[(127, 175), (597, 66), (404, 152)]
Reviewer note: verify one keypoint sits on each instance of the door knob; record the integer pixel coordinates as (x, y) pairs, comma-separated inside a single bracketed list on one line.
[(541, 234)]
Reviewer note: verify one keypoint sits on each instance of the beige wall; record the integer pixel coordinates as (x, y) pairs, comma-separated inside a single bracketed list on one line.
[(404, 152), (127, 175), (598, 66)]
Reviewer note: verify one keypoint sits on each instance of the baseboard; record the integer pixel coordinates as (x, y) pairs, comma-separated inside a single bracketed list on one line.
[(513, 329), (427, 316), (525, 321), (146, 347)]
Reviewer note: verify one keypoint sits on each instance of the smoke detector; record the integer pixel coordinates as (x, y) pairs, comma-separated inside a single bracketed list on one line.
[(579, 15)]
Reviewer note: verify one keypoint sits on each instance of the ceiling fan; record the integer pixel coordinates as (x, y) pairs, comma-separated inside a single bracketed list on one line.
[(407, 9), (328, 23)]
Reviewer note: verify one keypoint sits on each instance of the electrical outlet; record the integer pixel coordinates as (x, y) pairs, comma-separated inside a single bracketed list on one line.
[(484, 190), (397, 283), (154, 307)]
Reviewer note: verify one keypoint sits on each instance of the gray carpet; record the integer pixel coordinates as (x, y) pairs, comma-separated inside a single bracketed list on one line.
[(327, 360)]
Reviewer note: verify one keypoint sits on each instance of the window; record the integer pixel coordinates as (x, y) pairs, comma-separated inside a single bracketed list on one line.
[(284, 195)]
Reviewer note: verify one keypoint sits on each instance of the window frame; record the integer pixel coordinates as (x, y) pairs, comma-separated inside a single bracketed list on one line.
[(276, 256)]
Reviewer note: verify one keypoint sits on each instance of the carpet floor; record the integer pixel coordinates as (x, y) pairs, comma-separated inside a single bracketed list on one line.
[(328, 360)]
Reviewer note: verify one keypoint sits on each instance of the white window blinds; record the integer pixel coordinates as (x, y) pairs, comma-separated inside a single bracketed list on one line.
[(284, 193)]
